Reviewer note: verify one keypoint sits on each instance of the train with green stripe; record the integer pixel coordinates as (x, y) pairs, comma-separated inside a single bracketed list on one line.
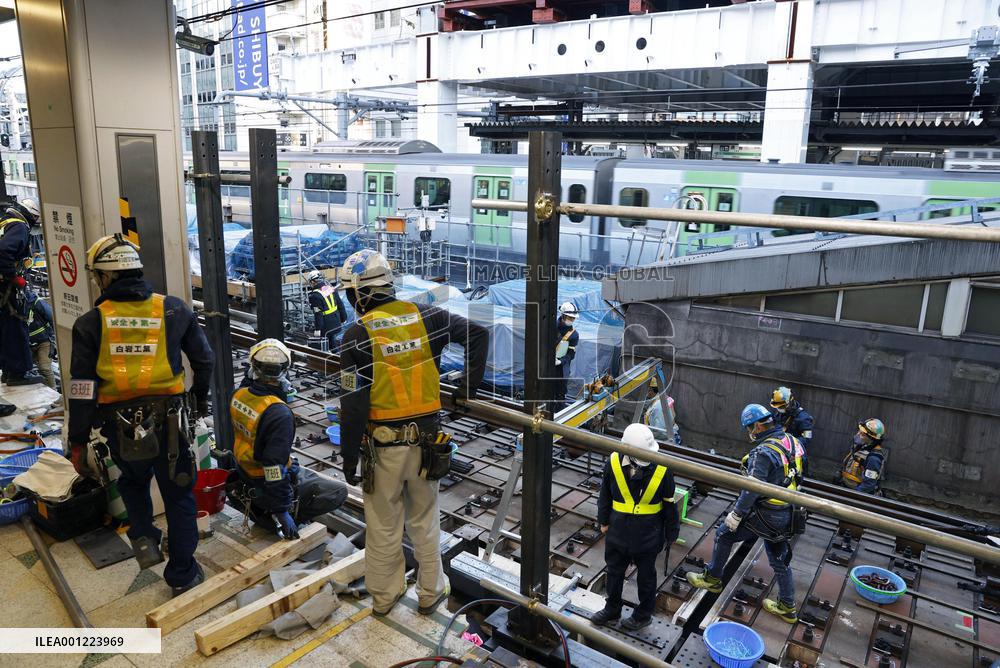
[(352, 187)]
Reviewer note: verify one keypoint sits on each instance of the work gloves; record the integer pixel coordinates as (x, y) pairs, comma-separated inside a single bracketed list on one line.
[(351, 471), (558, 362), (285, 526), (78, 455), (733, 521), (317, 332)]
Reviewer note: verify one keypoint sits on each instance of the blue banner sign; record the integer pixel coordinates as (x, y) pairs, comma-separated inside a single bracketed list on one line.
[(249, 46)]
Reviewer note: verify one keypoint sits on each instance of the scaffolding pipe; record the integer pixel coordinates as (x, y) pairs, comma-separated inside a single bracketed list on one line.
[(574, 625), (732, 480), (913, 230)]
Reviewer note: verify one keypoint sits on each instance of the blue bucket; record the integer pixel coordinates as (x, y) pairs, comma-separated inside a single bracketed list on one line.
[(333, 433), (733, 645), (877, 595), (331, 413)]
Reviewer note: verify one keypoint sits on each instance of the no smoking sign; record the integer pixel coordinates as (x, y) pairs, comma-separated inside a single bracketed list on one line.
[(68, 269)]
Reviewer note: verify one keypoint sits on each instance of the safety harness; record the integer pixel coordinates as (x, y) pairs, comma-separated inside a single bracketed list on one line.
[(627, 505)]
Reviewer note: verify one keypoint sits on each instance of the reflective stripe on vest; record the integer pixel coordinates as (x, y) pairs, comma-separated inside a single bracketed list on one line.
[(132, 361), (645, 505), (246, 409), (777, 446), (328, 295), (405, 380), (31, 319)]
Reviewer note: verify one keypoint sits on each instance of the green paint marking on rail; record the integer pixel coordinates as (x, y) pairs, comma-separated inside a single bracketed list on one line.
[(696, 178), (493, 171), (94, 659), (143, 579), (963, 189)]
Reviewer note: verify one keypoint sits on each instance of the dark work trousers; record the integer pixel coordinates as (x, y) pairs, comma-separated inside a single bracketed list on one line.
[(133, 485), (331, 337), (314, 495), (779, 553), (15, 351), (561, 385), (618, 560)]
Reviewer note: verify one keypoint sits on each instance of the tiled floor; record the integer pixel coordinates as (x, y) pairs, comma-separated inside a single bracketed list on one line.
[(120, 595)]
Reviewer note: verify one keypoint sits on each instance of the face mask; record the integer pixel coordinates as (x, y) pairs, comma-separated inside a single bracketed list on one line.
[(781, 410), (859, 441)]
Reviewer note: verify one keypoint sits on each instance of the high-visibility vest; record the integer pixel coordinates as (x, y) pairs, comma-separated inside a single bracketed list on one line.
[(132, 361), (792, 475), (329, 299), (645, 505), (38, 331), (562, 348), (405, 381), (246, 409), (855, 463)]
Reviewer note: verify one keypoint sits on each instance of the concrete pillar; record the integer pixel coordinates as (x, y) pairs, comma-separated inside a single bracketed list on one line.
[(437, 114), (787, 107), (101, 78)]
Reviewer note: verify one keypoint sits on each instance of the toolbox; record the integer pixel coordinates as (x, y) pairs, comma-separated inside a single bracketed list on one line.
[(82, 512)]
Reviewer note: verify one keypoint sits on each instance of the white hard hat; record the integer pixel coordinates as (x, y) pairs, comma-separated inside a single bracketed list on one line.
[(365, 269), (269, 359), (30, 205), (568, 310), (314, 276), (113, 253), (639, 436)]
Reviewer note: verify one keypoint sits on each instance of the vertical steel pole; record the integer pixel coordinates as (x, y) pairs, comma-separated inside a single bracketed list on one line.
[(266, 238), (211, 247), (544, 169)]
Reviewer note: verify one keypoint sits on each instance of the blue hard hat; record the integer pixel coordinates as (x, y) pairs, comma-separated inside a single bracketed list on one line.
[(754, 413)]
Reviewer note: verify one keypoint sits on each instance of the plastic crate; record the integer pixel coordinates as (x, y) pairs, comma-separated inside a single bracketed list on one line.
[(13, 510), (720, 639), (877, 595), (82, 512), (19, 462)]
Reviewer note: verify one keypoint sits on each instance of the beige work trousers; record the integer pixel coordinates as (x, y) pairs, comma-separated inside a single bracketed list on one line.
[(401, 497)]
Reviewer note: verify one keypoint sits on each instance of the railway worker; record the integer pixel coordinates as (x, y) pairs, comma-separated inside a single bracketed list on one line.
[(794, 419), (267, 484), (567, 339), (41, 335), (127, 380), (863, 467), (328, 310), (775, 458), (637, 516), (390, 360), (15, 250)]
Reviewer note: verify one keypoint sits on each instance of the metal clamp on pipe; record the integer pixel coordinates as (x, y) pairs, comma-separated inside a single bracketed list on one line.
[(574, 625)]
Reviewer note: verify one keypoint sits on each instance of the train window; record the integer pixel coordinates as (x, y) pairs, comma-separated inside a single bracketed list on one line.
[(983, 308), (897, 305), (438, 191), (633, 197), (805, 303), (819, 207), (577, 195), (335, 184)]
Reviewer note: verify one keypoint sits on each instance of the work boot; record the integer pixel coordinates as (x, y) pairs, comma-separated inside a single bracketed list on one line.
[(633, 623), (7, 409), (147, 552), (429, 609), (198, 578), (385, 613), (26, 379), (704, 580), (785, 612), (606, 616)]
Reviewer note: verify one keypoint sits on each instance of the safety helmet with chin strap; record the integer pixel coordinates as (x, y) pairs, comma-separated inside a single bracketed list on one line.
[(113, 253), (568, 310), (639, 436), (314, 276), (270, 360), (366, 269)]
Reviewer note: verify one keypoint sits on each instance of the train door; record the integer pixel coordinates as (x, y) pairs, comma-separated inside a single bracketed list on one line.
[(380, 190), (284, 201), (711, 199), (492, 227)]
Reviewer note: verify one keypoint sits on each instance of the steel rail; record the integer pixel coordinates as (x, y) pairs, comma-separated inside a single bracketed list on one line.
[(62, 587), (731, 480), (575, 625), (916, 230)]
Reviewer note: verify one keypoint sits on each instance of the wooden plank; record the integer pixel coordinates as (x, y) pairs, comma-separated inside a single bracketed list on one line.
[(221, 586), (220, 634)]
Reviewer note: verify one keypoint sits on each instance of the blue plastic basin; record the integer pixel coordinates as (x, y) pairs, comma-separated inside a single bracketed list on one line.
[(733, 645)]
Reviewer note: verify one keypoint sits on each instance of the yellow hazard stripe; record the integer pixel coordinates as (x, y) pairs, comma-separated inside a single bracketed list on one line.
[(317, 642)]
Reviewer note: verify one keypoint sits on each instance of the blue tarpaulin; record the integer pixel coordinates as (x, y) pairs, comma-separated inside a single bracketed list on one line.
[(302, 247), (584, 294)]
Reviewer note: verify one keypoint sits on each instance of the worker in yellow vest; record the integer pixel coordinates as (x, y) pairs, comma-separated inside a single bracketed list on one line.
[(268, 485), (637, 516), (328, 311), (127, 384), (390, 361)]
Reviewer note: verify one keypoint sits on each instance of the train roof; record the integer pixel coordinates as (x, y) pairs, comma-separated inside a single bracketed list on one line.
[(806, 169), (491, 159)]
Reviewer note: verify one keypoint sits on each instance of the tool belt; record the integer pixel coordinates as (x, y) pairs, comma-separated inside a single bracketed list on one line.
[(435, 448), (796, 524), (139, 424)]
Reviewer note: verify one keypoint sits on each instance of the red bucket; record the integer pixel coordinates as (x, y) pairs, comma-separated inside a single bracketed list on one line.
[(210, 490)]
